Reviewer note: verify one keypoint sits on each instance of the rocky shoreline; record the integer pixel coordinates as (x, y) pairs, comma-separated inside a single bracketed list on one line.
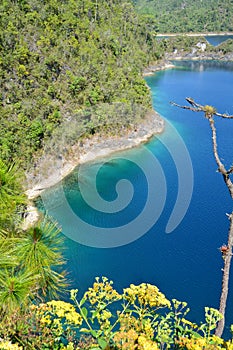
[(94, 148), (91, 149), (166, 63)]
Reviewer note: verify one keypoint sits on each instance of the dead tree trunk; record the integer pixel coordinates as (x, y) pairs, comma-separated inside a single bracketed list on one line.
[(225, 279), (210, 112)]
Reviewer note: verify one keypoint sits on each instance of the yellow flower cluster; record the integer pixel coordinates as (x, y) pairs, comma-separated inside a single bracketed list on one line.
[(146, 295), (7, 345), (102, 292), (46, 320), (126, 340), (103, 318), (65, 310), (131, 329), (229, 345), (200, 343), (146, 344), (135, 338), (57, 309)]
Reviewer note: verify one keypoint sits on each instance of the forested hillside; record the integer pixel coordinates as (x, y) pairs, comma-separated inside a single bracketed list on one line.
[(179, 16), (60, 59)]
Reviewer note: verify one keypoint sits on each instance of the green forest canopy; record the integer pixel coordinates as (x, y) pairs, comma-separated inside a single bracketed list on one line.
[(60, 59), (180, 16)]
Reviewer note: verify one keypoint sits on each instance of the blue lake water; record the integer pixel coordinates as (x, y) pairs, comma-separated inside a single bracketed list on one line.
[(215, 40), (186, 263)]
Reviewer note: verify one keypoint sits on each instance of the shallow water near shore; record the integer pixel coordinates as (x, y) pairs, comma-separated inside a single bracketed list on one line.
[(185, 264)]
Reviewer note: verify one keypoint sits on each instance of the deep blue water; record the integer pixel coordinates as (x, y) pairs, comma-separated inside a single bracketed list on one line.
[(215, 40), (186, 263)]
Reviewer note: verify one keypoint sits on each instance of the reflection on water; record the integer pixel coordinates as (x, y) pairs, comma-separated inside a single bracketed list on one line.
[(203, 65)]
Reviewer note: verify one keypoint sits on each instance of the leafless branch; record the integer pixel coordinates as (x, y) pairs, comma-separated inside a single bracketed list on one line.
[(209, 113), (194, 109), (230, 171), (226, 116)]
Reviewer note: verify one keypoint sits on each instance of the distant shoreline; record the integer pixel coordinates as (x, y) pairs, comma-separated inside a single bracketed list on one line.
[(194, 34)]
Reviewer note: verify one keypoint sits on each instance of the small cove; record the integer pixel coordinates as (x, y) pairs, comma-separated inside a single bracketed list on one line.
[(186, 263)]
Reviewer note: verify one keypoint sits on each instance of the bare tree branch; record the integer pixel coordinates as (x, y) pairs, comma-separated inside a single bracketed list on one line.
[(194, 109), (209, 113), (221, 167), (226, 116), (225, 279), (230, 171)]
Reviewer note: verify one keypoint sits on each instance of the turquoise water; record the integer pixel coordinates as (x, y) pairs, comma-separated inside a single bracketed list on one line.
[(186, 263)]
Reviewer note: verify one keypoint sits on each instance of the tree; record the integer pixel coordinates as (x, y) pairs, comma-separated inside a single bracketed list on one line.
[(210, 114), (39, 250), (16, 290)]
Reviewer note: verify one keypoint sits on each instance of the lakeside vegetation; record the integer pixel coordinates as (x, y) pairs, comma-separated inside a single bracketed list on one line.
[(59, 60), (190, 46), (77, 62)]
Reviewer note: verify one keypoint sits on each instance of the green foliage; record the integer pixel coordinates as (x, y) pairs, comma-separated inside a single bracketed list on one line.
[(30, 266), (16, 289), (40, 249), (139, 318), (226, 46), (11, 197), (178, 16), (183, 44), (60, 57)]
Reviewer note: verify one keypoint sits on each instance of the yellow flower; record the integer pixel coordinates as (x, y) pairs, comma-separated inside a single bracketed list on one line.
[(187, 322), (148, 329), (46, 320), (146, 344), (102, 292), (198, 344), (56, 310), (126, 340), (7, 345), (147, 295)]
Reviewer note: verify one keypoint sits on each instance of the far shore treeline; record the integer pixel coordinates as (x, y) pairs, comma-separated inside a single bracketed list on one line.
[(187, 16)]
